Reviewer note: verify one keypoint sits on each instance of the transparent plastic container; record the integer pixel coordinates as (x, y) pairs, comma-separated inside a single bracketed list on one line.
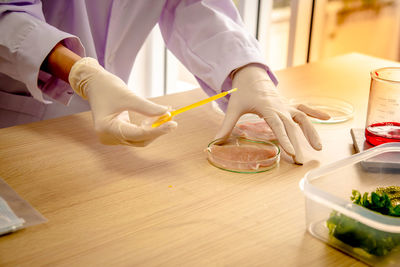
[(327, 192)]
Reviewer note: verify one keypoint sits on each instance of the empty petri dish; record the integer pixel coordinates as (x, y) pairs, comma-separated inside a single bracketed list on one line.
[(243, 155), (338, 109)]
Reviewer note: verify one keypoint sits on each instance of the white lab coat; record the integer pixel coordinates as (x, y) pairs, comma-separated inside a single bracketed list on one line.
[(207, 36)]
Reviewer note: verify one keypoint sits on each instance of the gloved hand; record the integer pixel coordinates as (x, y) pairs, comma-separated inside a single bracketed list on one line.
[(257, 94), (110, 100)]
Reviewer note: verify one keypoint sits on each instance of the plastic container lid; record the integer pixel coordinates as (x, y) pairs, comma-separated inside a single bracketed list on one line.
[(339, 110), (243, 155)]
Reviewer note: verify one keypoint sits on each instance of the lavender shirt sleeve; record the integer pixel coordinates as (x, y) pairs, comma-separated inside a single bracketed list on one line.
[(209, 38), (26, 39)]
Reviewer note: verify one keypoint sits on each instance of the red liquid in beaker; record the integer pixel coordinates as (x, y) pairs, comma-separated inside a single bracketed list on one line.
[(383, 132)]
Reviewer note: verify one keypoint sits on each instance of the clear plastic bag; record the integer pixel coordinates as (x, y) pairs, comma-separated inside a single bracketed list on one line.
[(15, 212)]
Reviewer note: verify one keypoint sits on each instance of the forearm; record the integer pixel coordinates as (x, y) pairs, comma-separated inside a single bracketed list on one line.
[(60, 61)]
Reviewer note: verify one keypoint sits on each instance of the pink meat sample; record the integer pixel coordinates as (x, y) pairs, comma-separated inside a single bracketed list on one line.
[(244, 157), (257, 130)]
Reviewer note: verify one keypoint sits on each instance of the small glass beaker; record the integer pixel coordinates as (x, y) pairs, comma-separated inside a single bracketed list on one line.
[(383, 115)]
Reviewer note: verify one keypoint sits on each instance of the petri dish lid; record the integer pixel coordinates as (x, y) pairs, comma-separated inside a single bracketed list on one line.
[(339, 110), (242, 155)]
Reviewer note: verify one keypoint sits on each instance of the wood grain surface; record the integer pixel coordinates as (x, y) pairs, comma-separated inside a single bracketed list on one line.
[(165, 205)]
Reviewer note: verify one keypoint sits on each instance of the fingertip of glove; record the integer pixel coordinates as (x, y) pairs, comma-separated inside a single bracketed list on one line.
[(318, 147), (160, 110), (224, 133), (324, 116), (166, 108), (168, 126), (221, 136), (288, 148), (297, 160)]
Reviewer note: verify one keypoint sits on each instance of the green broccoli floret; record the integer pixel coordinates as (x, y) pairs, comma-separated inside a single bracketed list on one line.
[(358, 235)]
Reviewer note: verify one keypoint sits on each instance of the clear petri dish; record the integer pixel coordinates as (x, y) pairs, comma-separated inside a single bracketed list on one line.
[(243, 155), (339, 110)]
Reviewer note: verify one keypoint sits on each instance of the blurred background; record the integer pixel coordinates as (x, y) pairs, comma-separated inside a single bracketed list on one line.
[(290, 33)]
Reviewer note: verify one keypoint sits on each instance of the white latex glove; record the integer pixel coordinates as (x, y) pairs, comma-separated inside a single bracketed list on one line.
[(257, 94), (110, 100)]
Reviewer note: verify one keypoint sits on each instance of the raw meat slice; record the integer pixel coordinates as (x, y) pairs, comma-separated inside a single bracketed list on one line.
[(254, 130)]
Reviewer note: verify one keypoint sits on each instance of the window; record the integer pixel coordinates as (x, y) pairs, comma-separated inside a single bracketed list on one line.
[(290, 32), (366, 26), (157, 71)]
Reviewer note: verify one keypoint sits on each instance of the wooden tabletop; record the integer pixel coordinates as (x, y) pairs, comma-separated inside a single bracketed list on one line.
[(165, 205)]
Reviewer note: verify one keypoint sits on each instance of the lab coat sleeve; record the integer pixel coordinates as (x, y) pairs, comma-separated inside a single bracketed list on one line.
[(209, 38), (25, 41)]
